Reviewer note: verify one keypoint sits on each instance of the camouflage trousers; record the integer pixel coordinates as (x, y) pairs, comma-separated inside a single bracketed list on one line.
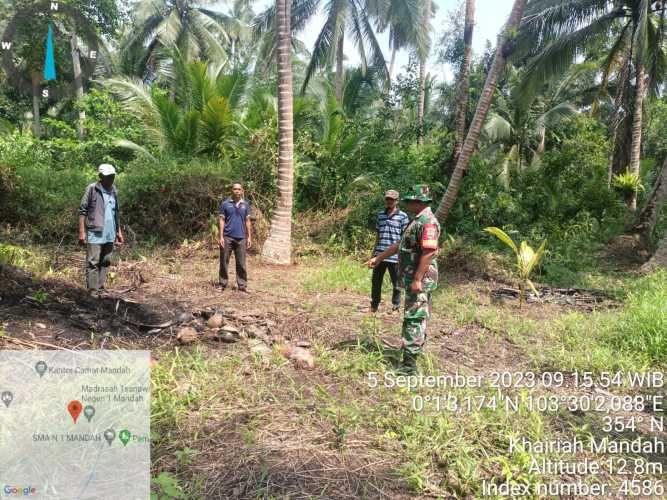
[(416, 316)]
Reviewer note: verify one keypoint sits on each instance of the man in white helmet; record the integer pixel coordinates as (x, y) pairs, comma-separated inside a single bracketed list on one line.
[(99, 228)]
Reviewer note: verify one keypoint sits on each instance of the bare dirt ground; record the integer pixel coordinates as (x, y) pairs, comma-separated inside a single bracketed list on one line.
[(259, 449)]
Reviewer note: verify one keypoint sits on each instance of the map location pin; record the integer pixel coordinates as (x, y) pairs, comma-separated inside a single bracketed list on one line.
[(7, 398), (40, 367), (124, 436), (89, 412), (110, 435), (74, 408)]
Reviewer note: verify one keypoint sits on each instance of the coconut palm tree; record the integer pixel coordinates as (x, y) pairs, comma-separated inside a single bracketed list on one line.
[(520, 122), (343, 17), (648, 217), (278, 246), (503, 50), (464, 79), (554, 33), (404, 21), (422, 53), (197, 31)]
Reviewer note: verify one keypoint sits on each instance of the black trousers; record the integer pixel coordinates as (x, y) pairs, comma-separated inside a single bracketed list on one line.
[(238, 246), (378, 276), (98, 260)]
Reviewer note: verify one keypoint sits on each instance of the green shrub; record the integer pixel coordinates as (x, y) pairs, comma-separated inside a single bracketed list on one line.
[(39, 198), (171, 200)]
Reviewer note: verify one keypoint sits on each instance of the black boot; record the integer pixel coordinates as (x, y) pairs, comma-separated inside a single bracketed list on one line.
[(409, 366)]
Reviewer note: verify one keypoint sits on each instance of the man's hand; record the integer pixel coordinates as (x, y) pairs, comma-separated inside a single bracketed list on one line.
[(248, 243), (416, 286), (120, 239), (372, 262), (221, 242), (82, 239)]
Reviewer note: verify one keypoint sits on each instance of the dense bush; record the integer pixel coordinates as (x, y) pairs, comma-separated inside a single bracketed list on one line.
[(166, 200), (36, 196), (171, 200)]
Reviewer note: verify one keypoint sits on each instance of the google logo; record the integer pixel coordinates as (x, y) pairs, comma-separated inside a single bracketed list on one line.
[(19, 491)]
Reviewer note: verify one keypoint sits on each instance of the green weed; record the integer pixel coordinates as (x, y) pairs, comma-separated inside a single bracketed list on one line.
[(168, 488), (339, 274), (185, 455)]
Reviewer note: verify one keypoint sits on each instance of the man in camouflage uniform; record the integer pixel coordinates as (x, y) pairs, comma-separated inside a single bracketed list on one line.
[(417, 271)]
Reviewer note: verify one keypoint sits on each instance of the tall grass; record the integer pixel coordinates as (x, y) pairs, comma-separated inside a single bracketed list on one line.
[(633, 337), (641, 327)]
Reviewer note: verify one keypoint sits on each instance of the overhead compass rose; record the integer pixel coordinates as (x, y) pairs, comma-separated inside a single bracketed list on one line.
[(50, 20)]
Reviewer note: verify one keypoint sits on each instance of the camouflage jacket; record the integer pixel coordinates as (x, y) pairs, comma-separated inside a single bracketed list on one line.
[(422, 234)]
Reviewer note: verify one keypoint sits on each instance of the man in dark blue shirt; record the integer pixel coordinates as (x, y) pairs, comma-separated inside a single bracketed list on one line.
[(235, 236), (391, 223)]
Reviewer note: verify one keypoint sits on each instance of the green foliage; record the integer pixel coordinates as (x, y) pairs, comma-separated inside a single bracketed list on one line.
[(171, 200), (185, 455), (40, 198), (641, 328), (526, 258), (654, 138), (631, 338), (168, 487), (627, 183)]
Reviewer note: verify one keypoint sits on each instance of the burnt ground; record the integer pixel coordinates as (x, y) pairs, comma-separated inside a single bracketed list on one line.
[(255, 446)]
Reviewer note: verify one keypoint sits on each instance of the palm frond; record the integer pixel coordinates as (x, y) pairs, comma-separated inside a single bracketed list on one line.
[(640, 42), (202, 88), (232, 86), (170, 30), (497, 128), (325, 45), (560, 54), (547, 20), (136, 98), (368, 36), (186, 133), (656, 58), (556, 114), (502, 236), (207, 32), (133, 146), (216, 121)]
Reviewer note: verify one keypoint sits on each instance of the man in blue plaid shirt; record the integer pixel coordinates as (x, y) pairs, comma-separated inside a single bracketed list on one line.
[(390, 226)]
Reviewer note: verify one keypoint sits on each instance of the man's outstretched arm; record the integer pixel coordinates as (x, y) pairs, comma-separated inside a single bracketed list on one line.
[(372, 262)]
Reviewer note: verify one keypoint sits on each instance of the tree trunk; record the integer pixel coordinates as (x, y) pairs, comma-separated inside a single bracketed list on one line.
[(542, 133), (659, 258), (422, 98), (622, 81), (623, 138), (339, 68), (648, 217), (636, 148), (36, 120), (392, 65), (78, 82), (422, 75), (464, 77), (278, 246), (497, 67)]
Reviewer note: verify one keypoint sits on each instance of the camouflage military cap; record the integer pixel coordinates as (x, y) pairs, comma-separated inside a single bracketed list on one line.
[(419, 192)]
